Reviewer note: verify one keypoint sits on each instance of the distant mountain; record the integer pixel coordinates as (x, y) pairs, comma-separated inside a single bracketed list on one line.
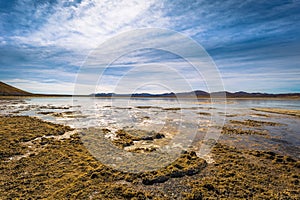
[(8, 90), (242, 94), (203, 94), (198, 93)]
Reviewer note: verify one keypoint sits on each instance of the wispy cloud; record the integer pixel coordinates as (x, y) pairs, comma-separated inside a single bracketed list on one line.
[(85, 25), (254, 44), (42, 87)]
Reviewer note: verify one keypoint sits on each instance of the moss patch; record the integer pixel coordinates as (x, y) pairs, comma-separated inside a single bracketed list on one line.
[(239, 131), (254, 123), (204, 113), (15, 130), (126, 137), (279, 111), (64, 169), (248, 175)]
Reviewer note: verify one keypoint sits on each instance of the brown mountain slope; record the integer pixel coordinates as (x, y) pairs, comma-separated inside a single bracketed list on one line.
[(7, 90)]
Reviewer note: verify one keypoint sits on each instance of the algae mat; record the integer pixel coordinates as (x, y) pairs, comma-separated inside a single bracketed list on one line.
[(61, 168)]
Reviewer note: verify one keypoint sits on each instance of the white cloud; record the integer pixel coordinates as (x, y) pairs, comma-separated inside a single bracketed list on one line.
[(70, 32), (42, 87), (86, 25)]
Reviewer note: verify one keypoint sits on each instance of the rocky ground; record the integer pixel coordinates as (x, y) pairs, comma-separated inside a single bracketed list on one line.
[(45, 160)]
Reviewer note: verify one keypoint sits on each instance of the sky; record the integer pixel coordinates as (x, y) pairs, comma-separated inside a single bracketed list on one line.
[(45, 45)]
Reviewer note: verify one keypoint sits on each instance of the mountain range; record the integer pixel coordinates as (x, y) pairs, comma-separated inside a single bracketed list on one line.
[(203, 94), (8, 90)]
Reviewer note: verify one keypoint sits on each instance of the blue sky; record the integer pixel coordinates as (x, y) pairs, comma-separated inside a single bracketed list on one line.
[(254, 44)]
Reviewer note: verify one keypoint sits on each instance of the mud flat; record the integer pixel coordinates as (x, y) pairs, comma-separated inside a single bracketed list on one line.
[(62, 168), (279, 111)]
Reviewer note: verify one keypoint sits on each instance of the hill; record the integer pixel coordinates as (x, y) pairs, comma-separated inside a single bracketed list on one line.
[(8, 90), (202, 94)]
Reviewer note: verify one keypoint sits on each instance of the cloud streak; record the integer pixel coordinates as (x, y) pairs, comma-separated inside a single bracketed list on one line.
[(254, 44)]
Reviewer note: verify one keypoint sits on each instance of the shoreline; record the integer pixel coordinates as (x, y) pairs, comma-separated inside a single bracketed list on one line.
[(206, 98)]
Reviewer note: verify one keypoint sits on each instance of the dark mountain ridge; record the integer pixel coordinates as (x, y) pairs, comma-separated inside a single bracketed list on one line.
[(8, 90), (203, 94)]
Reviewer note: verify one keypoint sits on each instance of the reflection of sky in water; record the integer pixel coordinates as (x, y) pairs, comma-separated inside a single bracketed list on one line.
[(156, 115)]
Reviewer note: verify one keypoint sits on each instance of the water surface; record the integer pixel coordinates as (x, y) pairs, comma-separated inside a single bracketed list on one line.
[(170, 116)]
